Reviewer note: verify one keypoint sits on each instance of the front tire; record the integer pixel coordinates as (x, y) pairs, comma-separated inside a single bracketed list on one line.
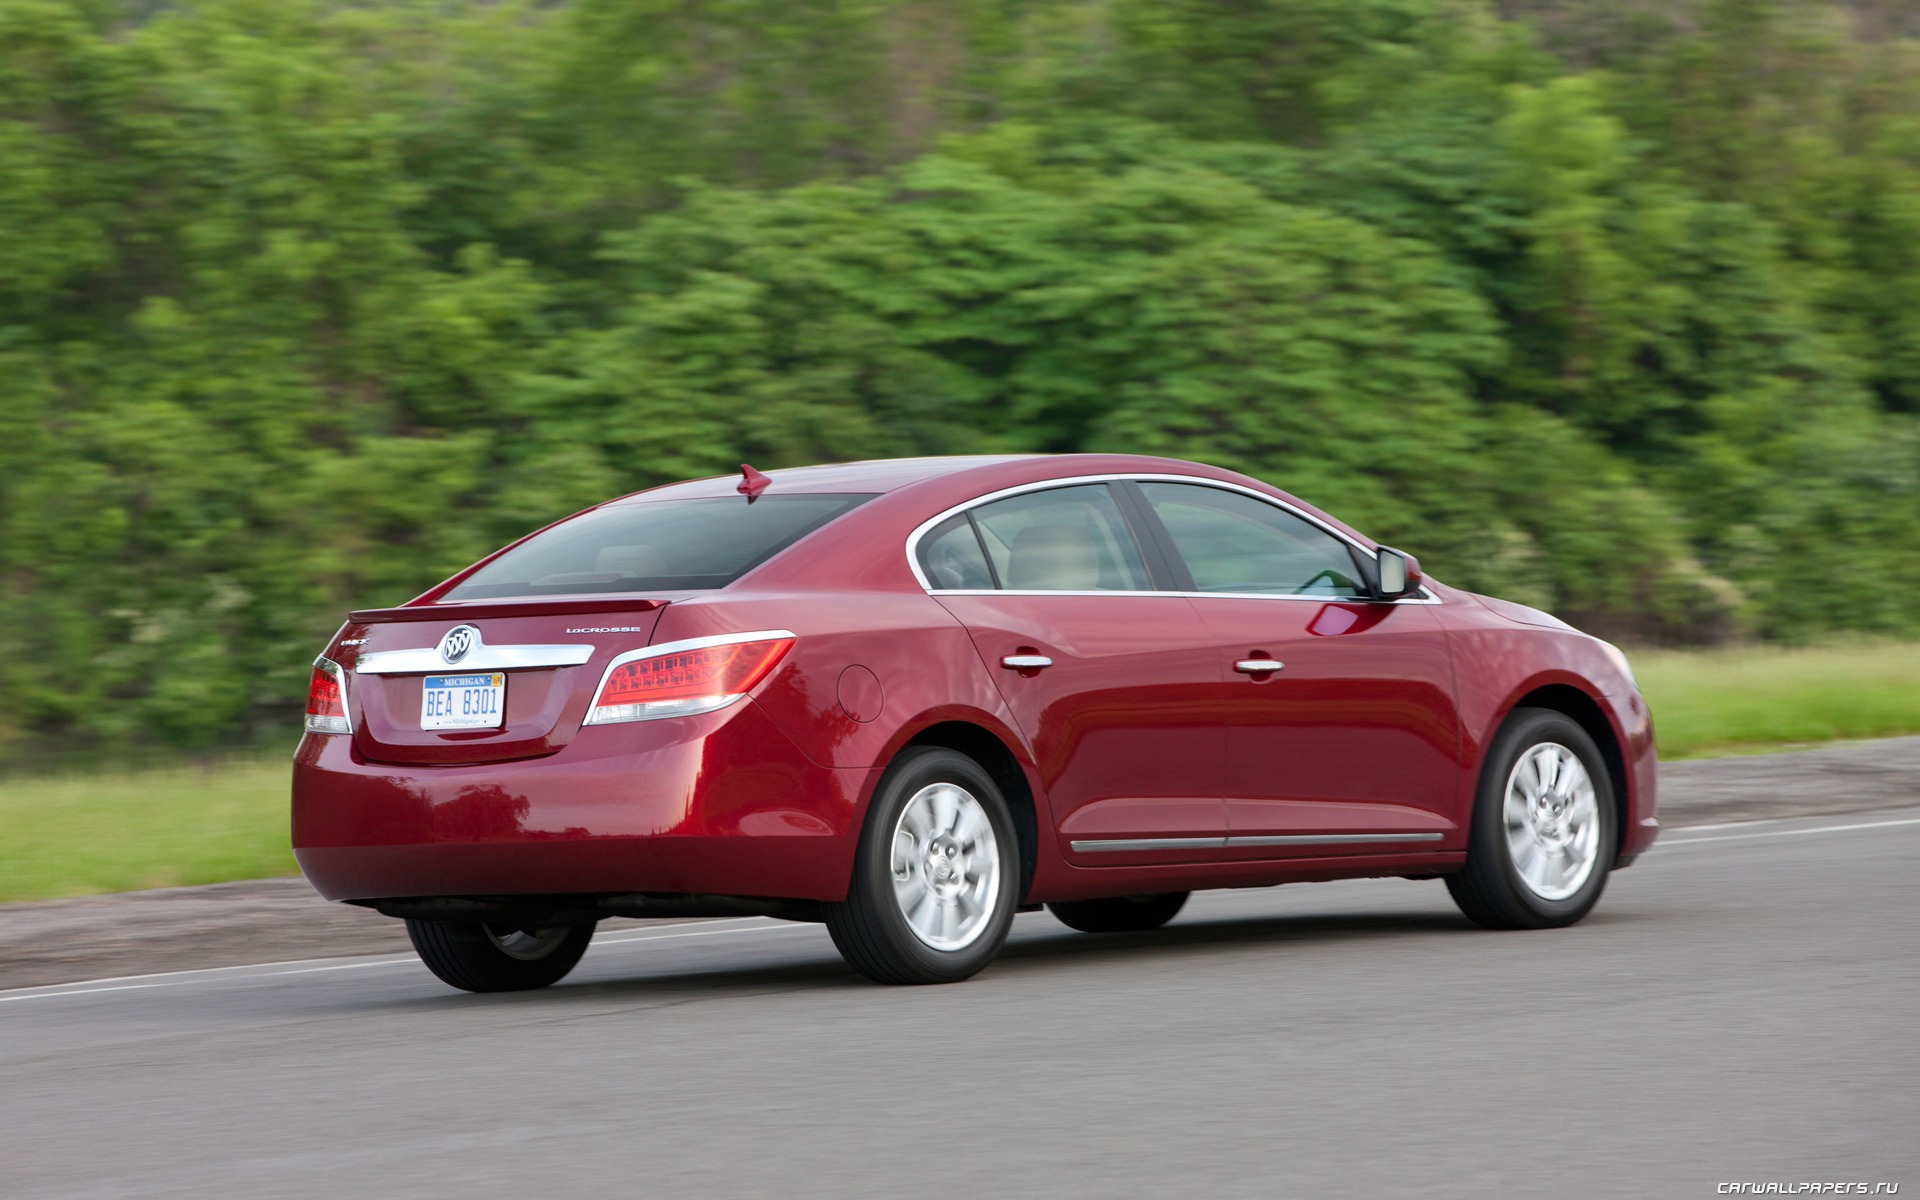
[(1544, 827), (936, 877), (1122, 914), (478, 957)]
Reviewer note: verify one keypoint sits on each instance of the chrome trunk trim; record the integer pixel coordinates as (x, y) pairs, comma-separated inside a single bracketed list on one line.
[(427, 659)]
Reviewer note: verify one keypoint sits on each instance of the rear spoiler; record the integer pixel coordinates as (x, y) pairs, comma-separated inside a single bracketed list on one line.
[(481, 609)]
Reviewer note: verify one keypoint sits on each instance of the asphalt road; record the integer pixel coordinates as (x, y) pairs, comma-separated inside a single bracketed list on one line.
[(1741, 1007), (262, 920)]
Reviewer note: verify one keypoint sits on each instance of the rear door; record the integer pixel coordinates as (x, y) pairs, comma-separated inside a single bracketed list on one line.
[(1112, 686), (1342, 735)]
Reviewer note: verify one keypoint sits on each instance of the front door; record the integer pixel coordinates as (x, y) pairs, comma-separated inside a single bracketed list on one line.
[(1112, 687), (1342, 735)]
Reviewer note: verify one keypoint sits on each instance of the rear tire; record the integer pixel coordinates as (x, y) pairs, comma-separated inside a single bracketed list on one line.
[(477, 957), (936, 876), (1544, 827), (1121, 914)]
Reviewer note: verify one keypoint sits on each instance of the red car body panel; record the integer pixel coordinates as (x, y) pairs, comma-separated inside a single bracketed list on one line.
[(1358, 734), (1142, 730), (1496, 668), (544, 707), (1117, 758), (722, 803)]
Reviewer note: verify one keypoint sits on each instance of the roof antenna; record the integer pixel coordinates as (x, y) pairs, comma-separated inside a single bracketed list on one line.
[(752, 482)]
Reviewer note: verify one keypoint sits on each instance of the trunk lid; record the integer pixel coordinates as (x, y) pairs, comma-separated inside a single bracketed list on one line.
[(548, 656)]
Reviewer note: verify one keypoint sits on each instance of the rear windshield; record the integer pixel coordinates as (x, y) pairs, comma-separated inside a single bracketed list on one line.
[(668, 545)]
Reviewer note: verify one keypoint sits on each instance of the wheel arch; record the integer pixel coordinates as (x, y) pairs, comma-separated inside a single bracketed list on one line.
[(1586, 712), (995, 757)]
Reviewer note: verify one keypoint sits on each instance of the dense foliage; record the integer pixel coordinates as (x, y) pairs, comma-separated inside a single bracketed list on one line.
[(1608, 307)]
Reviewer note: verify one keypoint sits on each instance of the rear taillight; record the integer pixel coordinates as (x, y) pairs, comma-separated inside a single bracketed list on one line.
[(683, 678), (327, 698)]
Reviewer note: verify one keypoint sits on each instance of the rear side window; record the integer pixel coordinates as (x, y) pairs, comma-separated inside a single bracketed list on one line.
[(952, 558), (1070, 539), (668, 545), (1234, 543)]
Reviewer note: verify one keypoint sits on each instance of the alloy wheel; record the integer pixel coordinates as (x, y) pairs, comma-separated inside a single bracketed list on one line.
[(527, 945), (945, 866), (1552, 821)]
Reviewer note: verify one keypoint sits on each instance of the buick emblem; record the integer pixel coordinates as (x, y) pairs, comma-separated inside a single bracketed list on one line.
[(460, 640)]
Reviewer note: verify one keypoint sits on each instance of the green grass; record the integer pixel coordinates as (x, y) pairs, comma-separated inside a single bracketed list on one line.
[(1756, 699), (75, 834), (78, 833)]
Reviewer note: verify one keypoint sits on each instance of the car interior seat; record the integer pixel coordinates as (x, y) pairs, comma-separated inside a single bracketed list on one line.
[(1055, 558)]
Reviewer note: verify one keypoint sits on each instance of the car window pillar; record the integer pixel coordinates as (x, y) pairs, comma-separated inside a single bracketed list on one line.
[(1164, 564)]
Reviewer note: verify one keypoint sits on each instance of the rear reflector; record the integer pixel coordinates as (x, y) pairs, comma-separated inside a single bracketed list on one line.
[(681, 679), (327, 699)]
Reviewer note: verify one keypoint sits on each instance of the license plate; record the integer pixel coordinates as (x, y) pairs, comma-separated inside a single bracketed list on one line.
[(464, 701)]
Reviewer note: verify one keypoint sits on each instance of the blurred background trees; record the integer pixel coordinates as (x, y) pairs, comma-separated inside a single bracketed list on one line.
[(1612, 308)]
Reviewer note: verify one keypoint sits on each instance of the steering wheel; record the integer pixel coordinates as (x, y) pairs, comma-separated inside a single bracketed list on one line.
[(1331, 576)]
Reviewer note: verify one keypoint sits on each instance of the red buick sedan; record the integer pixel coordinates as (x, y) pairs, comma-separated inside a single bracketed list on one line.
[(911, 698)]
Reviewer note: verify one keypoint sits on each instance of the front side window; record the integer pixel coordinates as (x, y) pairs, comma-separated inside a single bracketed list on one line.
[(1069, 539), (663, 545), (1234, 543)]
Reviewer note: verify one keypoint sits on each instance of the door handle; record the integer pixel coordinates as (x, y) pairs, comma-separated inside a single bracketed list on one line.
[(1257, 666), (1025, 662)]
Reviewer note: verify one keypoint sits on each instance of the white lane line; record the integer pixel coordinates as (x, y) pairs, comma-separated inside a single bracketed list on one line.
[(101, 983), (123, 983), (124, 987), (1732, 824), (232, 972), (1777, 833), (598, 941), (352, 966), (783, 927), (608, 936)]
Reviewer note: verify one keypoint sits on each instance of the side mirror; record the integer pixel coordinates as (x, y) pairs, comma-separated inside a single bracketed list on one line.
[(1398, 573)]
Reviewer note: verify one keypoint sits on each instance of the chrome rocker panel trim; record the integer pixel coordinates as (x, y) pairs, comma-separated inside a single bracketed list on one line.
[(1102, 845)]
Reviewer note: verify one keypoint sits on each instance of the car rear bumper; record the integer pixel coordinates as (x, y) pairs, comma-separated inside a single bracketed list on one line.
[(721, 804)]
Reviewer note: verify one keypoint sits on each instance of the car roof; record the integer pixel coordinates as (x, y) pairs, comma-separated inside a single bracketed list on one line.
[(948, 478), (871, 475), (881, 475)]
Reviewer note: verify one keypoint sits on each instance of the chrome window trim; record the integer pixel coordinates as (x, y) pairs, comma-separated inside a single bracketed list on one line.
[(426, 660), (1103, 845), (684, 644), (913, 543), (1425, 598)]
